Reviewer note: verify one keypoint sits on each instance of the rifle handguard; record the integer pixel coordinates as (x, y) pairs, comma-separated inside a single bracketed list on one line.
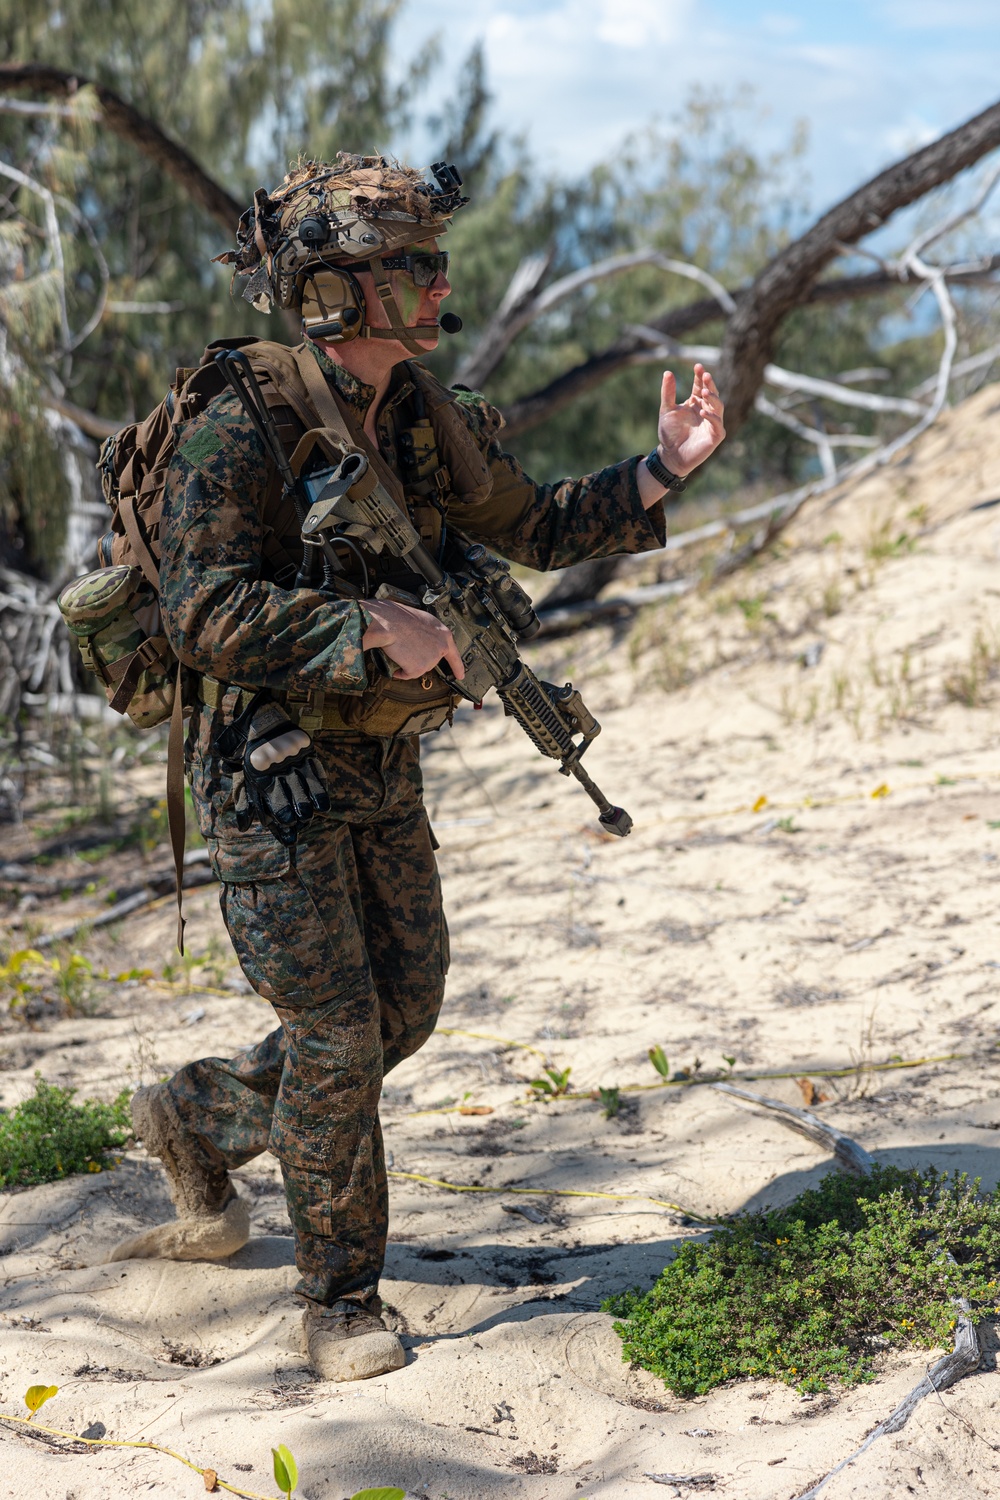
[(486, 613)]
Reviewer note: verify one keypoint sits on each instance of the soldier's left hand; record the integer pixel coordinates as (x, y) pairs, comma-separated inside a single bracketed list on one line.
[(689, 432)]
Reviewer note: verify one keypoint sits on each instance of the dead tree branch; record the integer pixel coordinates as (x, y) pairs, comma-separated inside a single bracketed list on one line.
[(784, 283), (126, 121), (964, 1359), (523, 304), (502, 329), (87, 421), (528, 411), (852, 1157)]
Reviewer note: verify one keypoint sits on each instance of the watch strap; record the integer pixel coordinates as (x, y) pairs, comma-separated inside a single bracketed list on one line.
[(662, 474)]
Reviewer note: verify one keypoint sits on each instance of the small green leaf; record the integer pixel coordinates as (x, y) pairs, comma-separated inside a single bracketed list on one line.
[(730, 1060), (542, 1085), (658, 1058), (390, 1493), (611, 1102), (286, 1474), (37, 1395)]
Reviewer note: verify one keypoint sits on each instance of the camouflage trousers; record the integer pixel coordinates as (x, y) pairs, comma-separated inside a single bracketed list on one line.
[(346, 937)]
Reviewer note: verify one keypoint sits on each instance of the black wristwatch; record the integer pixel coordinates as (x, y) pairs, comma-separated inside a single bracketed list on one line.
[(662, 474)]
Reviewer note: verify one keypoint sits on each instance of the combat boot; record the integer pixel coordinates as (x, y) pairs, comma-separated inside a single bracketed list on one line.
[(212, 1222), (348, 1341)]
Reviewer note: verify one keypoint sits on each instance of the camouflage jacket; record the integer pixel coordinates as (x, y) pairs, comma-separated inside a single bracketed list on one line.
[(228, 620)]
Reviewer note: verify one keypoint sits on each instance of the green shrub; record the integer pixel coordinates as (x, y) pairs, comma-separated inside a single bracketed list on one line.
[(816, 1290), (48, 1136)]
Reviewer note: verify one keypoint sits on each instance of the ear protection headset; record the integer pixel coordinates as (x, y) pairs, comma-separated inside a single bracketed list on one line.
[(333, 307)]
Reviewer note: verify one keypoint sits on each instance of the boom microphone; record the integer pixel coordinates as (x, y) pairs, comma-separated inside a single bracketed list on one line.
[(450, 322)]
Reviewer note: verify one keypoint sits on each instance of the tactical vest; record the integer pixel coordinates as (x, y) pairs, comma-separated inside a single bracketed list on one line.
[(443, 465)]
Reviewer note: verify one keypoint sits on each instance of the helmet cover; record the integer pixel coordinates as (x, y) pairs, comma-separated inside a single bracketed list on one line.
[(336, 214)]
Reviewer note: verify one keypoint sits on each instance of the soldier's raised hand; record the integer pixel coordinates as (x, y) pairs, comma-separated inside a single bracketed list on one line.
[(691, 430)]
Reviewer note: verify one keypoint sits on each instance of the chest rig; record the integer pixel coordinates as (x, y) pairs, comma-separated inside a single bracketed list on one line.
[(436, 467)]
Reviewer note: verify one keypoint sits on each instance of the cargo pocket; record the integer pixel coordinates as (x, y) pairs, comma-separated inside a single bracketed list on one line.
[(336, 1196), (285, 948)]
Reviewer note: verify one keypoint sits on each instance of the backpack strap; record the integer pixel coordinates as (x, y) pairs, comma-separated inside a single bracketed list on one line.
[(137, 541), (330, 413), (154, 651), (175, 799)]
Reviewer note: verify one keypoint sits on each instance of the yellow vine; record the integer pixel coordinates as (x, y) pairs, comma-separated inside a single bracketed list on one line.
[(125, 1443), (536, 1192)]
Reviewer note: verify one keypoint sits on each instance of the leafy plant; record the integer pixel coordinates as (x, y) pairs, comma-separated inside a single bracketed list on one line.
[(48, 1136), (881, 543), (752, 609), (384, 1493), (212, 961), (554, 1085), (611, 1102), (967, 682), (814, 1291), (286, 1473), (28, 973), (17, 984), (658, 1058), (70, 976)]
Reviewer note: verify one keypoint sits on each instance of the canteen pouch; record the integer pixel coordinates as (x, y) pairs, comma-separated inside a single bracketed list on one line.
[(115, 616)]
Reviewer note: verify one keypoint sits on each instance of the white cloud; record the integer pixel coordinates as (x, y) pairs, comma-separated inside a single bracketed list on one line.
[(777, 23), (931, 15), (635, 23), (576, 76)]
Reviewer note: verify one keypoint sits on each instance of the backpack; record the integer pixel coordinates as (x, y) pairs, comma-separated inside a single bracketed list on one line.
[(114, 613)]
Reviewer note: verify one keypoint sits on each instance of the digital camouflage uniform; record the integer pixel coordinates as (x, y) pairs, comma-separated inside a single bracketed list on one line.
[(344, 932)]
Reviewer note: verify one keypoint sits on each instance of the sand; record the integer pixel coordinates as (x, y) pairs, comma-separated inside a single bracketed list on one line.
[(830, 928)]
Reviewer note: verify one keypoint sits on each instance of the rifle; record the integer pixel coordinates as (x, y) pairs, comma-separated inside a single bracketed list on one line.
[(485, 609)]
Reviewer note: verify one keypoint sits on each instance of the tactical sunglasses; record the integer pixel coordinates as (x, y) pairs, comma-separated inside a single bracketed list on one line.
[(423, 267)]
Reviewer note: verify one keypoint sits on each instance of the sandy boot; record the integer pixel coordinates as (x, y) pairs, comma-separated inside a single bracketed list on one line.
[(212, 1222), (348, 1342)]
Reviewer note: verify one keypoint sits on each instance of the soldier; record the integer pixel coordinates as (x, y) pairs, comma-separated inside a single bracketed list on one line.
[(302, 756)]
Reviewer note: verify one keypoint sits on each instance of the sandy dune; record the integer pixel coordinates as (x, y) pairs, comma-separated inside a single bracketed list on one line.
[(829, 928)]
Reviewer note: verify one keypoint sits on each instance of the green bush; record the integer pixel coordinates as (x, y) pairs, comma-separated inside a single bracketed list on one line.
[(48, 1136), (816, 1290)]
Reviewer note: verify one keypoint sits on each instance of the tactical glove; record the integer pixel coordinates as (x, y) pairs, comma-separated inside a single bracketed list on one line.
[(283, 795)]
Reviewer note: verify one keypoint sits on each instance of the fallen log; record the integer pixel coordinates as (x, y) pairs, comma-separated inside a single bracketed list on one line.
[(850, 1155), (570, 616), (964, 1359), (158, 887)]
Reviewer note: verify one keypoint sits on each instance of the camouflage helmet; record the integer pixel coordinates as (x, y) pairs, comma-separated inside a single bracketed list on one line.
[(347, 214)]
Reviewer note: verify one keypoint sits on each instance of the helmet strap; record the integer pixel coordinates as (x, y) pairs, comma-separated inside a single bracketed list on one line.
[(397, 329)]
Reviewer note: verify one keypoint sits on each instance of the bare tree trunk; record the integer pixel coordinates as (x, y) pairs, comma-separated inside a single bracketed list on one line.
[(138, 130), (785, 281)]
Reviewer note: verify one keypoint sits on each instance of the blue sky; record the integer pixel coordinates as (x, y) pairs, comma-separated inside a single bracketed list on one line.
[(872, 79)]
